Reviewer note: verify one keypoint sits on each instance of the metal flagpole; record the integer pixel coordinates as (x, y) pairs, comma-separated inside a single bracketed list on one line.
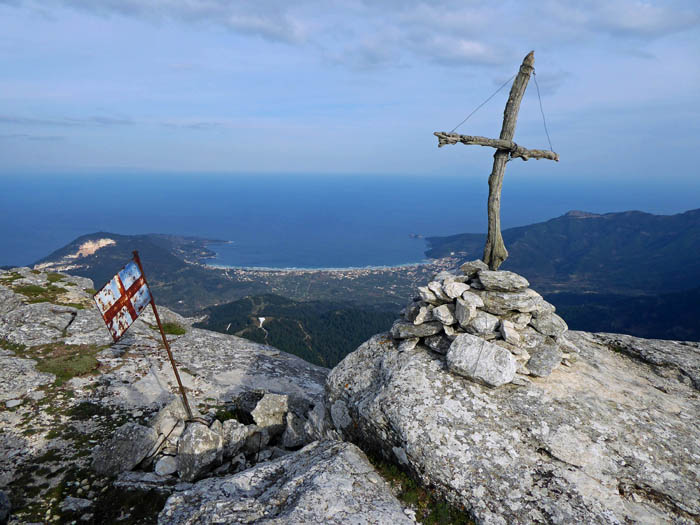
[(165, 340)]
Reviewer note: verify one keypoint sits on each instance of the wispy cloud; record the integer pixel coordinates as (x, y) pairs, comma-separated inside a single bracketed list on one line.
[(24, 136), (100, 121)]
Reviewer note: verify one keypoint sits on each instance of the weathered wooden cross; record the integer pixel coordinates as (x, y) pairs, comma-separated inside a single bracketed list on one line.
[(495, 251)]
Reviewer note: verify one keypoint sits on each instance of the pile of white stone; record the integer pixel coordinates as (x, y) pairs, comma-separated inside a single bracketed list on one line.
[(489, 324)]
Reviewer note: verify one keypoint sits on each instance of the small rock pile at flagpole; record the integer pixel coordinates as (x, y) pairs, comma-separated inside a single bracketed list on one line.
[(490, 325)]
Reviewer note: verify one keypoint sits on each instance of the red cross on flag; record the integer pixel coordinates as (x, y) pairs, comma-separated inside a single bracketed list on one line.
[(122, 299)]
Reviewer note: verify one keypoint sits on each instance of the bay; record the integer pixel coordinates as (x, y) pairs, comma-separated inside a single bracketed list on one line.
[(299, 220)]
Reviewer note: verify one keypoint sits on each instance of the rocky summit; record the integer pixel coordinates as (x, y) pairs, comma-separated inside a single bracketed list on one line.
[(479, 406)]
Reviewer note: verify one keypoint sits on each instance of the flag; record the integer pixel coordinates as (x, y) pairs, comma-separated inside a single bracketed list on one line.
[(122, 299)]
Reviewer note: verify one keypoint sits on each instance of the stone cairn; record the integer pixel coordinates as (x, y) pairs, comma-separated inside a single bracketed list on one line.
[(489, 324)]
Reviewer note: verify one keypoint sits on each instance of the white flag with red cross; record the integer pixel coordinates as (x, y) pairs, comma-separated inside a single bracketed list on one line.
[(122, 299)]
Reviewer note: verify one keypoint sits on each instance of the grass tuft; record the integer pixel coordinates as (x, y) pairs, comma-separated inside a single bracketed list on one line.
[(430, 508), (174, 329)]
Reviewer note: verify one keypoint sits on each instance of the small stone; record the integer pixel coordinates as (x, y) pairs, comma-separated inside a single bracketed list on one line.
[(544, 358), (404, 330), (12, 403), (127, 447), (464, 312), (521, 380), (438, 343), (451, 331), (472, 357), (531, 338), (270, 411), (235, 435), (500, 303), (427, 295), (471, 268), (445, 314), (566, 345), (454, 289), (483, 324), (294, 435), (502, 281), (425, 314), (198, 451), (436, 288), (407, 345), (519, 319), (509, 333), (74, 505), (549, 324), (166, 465), (409, 313)]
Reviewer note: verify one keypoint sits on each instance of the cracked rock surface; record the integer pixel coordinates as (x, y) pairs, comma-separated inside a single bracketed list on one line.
[(613, 438), (328, 482)]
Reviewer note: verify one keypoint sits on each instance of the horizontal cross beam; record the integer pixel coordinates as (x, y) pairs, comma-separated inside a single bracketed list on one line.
[(508, 145)]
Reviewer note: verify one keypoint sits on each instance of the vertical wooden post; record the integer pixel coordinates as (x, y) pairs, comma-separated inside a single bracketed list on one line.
[(165, 339), (495, 250)]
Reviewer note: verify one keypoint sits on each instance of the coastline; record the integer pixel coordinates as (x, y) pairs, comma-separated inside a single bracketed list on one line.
[(427, 262)]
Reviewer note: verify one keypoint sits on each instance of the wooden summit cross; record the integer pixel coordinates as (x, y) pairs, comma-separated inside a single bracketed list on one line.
[(495, 251)]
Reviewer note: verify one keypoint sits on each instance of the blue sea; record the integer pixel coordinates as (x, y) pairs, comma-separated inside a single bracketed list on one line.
[(301, 221)]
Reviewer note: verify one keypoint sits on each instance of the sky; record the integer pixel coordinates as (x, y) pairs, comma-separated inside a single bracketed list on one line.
[(273, 86)]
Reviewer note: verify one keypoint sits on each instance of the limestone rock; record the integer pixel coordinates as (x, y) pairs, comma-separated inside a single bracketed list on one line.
[(424, 314), (408, 344), (427, 295), (409, 313), (325, 482), (74, 505), (234, 435), (549, 324), (199, 450), (454, 289), (438, 343), (474, 358), (483, 324), (509, 333), (270, 411), (166, 465), (531, 338), (36, 324), (436, 288), (502, 281), (500, 303), (609, 440), (544, 358), (404, 330), (294, 434), (445, 314), (127, 448), (464, 312), (472, 299), (520, 320), (471, 268)]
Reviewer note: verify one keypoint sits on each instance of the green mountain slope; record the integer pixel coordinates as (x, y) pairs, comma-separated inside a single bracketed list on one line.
[(321, 332), (628, 253), (666, 316)]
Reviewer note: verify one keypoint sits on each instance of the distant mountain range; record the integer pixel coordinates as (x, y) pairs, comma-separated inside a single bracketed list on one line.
[(627, 253)]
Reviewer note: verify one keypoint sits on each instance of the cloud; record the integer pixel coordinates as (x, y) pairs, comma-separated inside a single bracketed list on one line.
[(366, 34), (24, 136), (272, 19), (638, 19), (197, 125), (100, 121)]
